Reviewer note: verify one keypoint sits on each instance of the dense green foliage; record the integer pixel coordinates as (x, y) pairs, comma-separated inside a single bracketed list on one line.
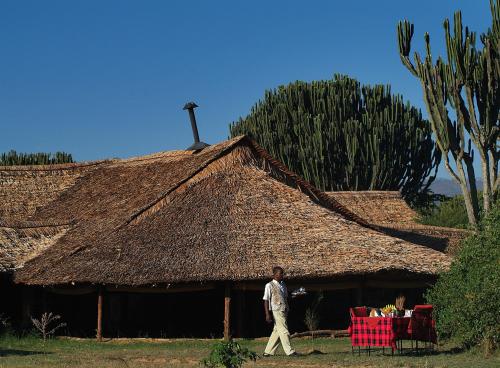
[(448, 212), (228, 354), (41, 158), (467, 297), (340, 135)]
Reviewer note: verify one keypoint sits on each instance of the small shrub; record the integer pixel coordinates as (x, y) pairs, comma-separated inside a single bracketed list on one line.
[(312, 317), (4, 324), (467, 297), (228, 354), (4, 320), (45, 323)]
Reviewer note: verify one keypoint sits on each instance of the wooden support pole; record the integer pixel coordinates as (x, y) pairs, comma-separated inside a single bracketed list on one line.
[(227, 312), (99, 314)]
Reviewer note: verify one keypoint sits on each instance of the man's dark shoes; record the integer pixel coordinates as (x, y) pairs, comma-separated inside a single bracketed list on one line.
[(294, 354)]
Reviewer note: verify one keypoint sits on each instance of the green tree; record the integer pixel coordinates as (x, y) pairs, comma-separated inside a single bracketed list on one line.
[(40, 158), (468, 82), (340, 135), (448, 212), (467, 297)]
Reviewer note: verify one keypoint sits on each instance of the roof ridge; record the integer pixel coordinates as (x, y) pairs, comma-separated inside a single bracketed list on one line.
[(365, 192), (174, 153), (322, 197), (54, 167), (154, 156), (32, 224), (417, 225), (162, 195)]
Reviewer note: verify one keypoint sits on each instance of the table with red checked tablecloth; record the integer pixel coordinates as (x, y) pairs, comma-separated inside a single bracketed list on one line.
[(378, 331)]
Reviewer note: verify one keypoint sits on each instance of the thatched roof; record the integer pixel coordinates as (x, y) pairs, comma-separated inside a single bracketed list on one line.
[(228, 212), (20, 244), (390, 212), (24, 188), (377, 207)]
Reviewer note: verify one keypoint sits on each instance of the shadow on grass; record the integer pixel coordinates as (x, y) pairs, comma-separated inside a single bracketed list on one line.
[(16, 352), (424, 352), (314, 352), (407, 352)]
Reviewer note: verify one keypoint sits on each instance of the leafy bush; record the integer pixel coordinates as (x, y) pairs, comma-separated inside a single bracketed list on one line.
[(467, 297), (228, 354)]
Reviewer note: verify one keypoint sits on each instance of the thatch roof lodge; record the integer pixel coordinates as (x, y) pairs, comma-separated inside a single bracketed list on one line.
[(193, 220)]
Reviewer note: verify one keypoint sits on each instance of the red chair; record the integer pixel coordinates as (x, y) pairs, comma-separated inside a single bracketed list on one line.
[(423, 307), (358, 312), (422, 326)]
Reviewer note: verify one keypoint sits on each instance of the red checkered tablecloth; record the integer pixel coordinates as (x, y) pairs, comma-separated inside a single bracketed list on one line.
[(378, 331)]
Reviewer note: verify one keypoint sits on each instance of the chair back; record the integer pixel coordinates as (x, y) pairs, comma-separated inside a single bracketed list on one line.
[(424, 308), (421, 324), (358, 312)]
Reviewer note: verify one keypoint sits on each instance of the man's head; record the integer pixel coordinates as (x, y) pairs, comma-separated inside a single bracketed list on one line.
[(278, 273)]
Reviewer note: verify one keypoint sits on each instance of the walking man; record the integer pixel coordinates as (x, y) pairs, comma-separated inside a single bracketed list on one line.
[(276, 303)]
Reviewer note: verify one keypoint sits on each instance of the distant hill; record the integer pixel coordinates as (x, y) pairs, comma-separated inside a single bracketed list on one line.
[(449, 188)]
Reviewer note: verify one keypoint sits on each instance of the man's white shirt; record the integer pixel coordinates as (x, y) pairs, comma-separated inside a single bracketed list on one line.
[(268, 295)]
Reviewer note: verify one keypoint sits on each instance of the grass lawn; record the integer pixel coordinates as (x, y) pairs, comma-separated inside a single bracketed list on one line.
[(32, 352)]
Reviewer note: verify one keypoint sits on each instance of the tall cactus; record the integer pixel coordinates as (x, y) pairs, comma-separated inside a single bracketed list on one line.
[(344, 136), (468, 81)]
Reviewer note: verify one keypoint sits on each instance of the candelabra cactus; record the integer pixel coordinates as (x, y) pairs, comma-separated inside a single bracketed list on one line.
[(468, 81), (344, 136)]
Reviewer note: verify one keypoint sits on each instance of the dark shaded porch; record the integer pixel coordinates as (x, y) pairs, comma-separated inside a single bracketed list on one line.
[(195, 310)]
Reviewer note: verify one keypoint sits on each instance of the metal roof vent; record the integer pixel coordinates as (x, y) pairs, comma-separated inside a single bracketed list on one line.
[(197, 145)]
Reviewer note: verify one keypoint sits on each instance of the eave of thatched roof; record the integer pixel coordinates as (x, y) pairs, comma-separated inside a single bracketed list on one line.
[(19, 244), (228, 212), (389, 212)]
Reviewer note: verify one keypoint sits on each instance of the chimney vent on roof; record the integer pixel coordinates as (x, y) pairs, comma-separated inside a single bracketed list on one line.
[(197, 145)]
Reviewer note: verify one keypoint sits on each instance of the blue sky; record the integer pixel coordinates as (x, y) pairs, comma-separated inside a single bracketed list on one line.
[(109, 78)]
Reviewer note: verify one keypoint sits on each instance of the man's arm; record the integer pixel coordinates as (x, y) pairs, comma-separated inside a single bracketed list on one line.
[(269, 319)]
